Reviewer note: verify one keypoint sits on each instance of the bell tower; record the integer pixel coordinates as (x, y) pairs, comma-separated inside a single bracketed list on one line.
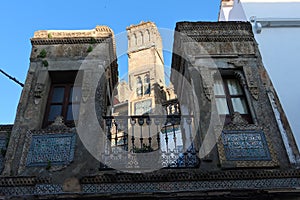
[(145, 68)]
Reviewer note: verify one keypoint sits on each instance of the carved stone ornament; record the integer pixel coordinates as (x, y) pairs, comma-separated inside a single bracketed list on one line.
[(99, 31), (237, 119), (58, 124), (38, 92), (59, 121), (207, 83)]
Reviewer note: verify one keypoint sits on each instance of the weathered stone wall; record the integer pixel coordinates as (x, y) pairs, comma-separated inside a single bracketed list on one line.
[(75, 174), (92, 53), (203, 51)]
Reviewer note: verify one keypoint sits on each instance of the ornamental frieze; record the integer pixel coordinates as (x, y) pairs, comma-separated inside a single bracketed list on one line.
[(99, 31)]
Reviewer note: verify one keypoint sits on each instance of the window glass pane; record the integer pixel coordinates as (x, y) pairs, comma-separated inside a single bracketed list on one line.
[(75, 94), (58, 94), (147, 88), (218, 88), (239, 105), (222, 106), (55, 110), (73, 112), (146, 79), (234, 87)]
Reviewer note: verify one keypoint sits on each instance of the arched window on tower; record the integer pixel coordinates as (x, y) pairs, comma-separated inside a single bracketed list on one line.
[(134, 40), (147, 89), (147, 36), (139, 86), (142, 38)]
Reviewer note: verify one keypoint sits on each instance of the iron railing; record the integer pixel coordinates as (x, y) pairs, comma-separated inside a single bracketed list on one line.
[(149, 141)]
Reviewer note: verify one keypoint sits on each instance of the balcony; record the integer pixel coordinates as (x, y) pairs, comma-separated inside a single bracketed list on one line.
[(149, 142)]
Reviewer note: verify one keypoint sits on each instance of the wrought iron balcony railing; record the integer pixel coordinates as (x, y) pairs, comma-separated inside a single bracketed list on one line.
[(148, 142)]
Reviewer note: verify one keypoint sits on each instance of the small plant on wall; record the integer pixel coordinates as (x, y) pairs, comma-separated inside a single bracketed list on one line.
[(45, 63), (90, 49), (42, 54)]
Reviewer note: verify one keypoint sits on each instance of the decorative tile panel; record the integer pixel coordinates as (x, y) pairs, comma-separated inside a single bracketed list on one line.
[(245, 145), (3, 141), (55, 148), (131, 188), (189, 186)]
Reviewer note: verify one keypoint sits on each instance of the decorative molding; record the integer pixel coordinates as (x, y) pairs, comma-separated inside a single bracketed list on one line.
[(70, 41), (216, 28), (209, 38), (99, 31), (23, 181), (188, 186), (256, 186), (215, 31), (146, 25), (160, 181)]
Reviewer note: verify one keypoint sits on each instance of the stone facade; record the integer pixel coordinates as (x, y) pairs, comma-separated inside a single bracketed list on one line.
[(144, 41), (207, 52), (86, 59), (249, 153)]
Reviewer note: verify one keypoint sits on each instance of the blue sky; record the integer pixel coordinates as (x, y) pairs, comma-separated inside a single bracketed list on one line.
[(19, 20)]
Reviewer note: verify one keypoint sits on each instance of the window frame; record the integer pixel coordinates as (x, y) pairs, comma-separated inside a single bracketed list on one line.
[(147, 88), (65, 79), (228, 97), (139, 87)]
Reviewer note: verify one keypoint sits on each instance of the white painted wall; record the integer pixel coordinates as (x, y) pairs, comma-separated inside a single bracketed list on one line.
[(279, 46)]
